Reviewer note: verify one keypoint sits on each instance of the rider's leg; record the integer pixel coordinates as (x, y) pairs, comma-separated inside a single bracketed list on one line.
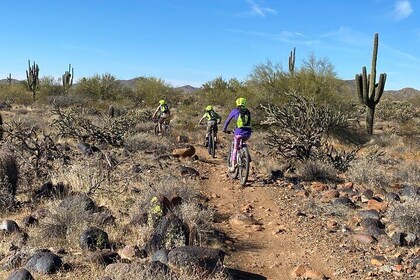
[(236, 141)]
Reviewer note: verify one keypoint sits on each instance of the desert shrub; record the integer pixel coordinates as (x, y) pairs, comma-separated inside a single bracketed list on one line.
[(367, 170), (16, 94), (400, 111), (99, 87), (198, 217), (146, 141), (313, 170), (63, 224), (406, 215), (408, 172), (65, 101), (74, 123), (7, 200), (9, 172), (150, 90), (298, 129)]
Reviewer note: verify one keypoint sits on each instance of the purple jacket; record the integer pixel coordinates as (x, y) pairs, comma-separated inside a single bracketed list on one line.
[(234, 114)]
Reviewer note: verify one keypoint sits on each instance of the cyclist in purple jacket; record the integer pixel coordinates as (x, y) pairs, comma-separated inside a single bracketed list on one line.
[(242, 129)]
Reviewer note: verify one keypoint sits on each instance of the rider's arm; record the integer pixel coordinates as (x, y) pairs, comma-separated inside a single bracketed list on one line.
[(202, 118), (229, 118), (156, 111)]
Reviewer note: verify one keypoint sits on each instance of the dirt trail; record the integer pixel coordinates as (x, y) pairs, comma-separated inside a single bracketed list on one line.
[(269, 247)]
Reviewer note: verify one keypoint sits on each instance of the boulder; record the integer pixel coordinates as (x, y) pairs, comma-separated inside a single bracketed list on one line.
[(21, 274), (104, 258), (191, 259), (9, 226), (344, 201), (161, 256), (187, 151), (44, 262), (93, 238)]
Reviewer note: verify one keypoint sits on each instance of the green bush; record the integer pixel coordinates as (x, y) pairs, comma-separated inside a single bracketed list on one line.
[(400, 111), (16, 94)]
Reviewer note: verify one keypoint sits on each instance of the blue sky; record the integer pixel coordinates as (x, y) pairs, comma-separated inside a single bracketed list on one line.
[(195, 41)]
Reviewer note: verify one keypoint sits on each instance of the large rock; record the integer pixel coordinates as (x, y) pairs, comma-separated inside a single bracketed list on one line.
[(44, 262), (187, 151), (21, 274), (9, 226), (93, 238), (104, 258), (191, 258)]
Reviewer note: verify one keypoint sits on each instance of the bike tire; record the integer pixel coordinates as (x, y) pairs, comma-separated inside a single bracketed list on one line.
[(157, 129), (243, 165), (234, 174), (213, 146), (166, 130), (209, 143)]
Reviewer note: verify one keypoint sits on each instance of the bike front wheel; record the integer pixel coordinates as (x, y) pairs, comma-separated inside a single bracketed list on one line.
[(243, 165), (212, 145)]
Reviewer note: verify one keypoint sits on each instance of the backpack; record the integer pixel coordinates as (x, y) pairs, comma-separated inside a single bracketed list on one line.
[(211, 115), (164, 108), (244, 119)]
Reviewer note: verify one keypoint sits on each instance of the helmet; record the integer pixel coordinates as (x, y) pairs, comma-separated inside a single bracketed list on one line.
[(161, 102), (209, 108), (241, 102)]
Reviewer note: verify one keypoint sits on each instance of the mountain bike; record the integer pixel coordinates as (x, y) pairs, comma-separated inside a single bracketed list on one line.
[(165, 128), (211, 142), (243, 160)]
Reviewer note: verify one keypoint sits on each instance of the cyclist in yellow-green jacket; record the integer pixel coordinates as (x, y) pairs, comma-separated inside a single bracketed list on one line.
[(213, 119)]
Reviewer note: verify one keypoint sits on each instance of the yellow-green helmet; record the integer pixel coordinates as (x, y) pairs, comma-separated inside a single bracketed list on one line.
[(209, 108), (161, 102), (241, 102)]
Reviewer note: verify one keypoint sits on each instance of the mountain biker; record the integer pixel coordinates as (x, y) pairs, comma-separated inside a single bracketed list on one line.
[(213, 119), (242, 129), (164, 114)]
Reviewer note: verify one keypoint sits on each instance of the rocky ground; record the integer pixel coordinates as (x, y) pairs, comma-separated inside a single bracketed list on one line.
[(276, 227)]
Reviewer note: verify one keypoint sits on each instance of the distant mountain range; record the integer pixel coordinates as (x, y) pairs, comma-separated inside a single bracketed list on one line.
[(403, 93)]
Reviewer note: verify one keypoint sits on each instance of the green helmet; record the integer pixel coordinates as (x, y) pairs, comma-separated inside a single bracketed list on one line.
[(209, 108), (241, 102), (161, 102)]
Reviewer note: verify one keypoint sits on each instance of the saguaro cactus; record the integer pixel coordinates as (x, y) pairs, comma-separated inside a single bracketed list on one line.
[(368, 91), (292, 59), (9, 79), (32, 78), (68, 78)]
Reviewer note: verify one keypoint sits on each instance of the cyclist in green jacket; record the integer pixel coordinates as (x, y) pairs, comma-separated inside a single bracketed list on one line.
[(213, 119), (162, 113)]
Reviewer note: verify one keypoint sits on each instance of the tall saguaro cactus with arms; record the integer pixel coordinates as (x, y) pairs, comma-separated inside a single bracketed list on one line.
[(292, 60), (32, 78), (68, 78), (368, 91)]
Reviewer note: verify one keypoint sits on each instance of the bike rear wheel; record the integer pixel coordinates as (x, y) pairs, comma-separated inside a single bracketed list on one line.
[(233, 174), (243, 165), (157, 129), (212, 145), (166, 129)]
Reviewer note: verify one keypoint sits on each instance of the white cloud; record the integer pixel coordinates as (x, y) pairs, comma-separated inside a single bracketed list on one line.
[(402, 10), (283, 36), (348, 36), (259, 10)]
